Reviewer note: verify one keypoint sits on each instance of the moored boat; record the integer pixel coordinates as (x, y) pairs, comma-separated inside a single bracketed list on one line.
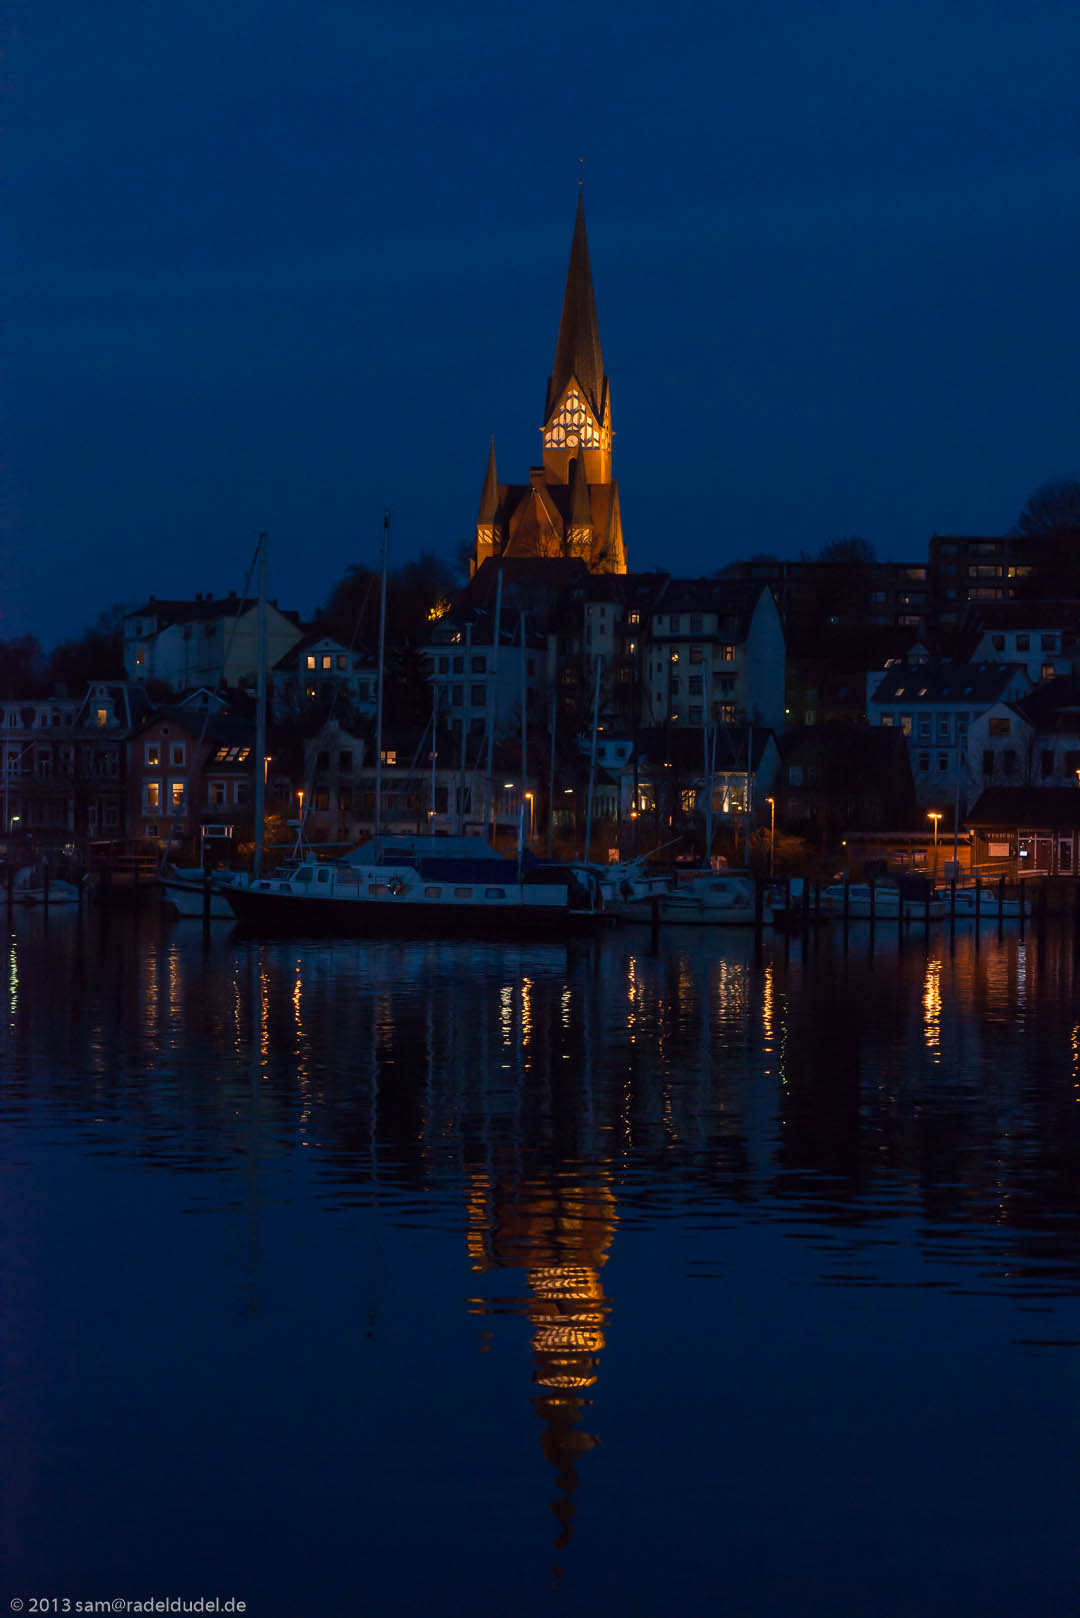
[(986, 903), (710, 898), (407, 887), (882, 901)]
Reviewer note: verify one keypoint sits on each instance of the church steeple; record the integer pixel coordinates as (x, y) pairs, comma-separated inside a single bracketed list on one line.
[(577, 414), (577, 351), (570, 505), (488, 515)]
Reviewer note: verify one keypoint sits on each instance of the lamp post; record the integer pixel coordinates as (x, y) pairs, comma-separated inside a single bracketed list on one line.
[(772, 835), (935, 816), (529, 801)]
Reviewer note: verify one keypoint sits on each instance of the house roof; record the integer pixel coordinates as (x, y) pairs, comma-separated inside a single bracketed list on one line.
[(203, 610), (954, 682), (327, 642), (1007, 808), (219, 727), (1052, 700)]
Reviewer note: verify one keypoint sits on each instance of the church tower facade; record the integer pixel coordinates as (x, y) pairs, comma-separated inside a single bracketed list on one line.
[(570, 505)]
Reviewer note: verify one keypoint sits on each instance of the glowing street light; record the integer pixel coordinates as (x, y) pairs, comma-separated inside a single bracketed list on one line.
[(935, 816), (529, 801), (772, 835)]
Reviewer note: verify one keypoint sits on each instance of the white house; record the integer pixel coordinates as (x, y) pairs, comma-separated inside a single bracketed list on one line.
[(320, 670), (203, 642), (935, 705)]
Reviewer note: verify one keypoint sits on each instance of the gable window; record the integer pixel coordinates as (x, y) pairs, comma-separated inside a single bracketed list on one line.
[(102, 717), (177, 753), (1000, 727), (309, 661), (153, 753)]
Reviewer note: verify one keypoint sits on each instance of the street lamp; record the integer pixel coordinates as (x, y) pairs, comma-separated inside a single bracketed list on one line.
[(772, 835), (935, 816), (529, 800)]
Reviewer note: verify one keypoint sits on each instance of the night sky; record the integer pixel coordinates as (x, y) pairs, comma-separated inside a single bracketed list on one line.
[(280, 265)]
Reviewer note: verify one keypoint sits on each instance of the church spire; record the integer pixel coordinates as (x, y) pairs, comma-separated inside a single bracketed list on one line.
[(489, 496), (577, 352)]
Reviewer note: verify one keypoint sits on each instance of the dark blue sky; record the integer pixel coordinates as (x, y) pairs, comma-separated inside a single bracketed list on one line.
[(281, 264)]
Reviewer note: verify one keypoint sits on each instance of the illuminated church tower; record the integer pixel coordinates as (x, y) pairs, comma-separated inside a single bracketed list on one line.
[(570, 505)]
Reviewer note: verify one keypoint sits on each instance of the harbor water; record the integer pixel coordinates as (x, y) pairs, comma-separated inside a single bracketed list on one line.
[(626, 1276)]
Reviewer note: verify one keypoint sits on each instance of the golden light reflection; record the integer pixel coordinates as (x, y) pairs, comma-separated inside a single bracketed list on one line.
[(565, 1007), (506, 1014), (932, 1009), (1075, 1047), (13, 980), (526, 1010), (559, 1233), (767, 1030)]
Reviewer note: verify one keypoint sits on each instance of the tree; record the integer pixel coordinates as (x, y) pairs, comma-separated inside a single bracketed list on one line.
[(850, 549), (1052, 512), (96, 655), (22, 668), (1051, 521)]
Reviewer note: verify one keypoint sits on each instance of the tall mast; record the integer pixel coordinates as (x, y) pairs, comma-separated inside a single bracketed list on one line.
[(379, 694), (524, 734), (551, 770), (592, 759), (493, 690), (260, 713)]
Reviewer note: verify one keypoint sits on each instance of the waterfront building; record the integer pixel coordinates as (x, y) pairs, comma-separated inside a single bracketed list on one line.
[(933, 704), (570, 505), (968, 569), (1031, 742), (1027, 831), (187, 770), (203, 642)]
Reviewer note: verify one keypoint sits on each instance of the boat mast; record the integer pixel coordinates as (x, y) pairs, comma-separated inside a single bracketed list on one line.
[(494, 693), (551, 769), (707, 739), (379, 693), (592, 759), (260, 714), (524, 740)]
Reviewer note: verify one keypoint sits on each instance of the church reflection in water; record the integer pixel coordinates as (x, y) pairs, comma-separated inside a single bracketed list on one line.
[(558, 1229)]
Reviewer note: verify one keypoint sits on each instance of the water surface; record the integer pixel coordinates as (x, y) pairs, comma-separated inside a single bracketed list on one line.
[(430, 1277)]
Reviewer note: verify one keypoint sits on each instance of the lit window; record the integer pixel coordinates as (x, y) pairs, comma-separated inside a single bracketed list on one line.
[(389, 756), (176, 794), (152, 794), (140, 657), (327, 662), (343, 663), (309, 661), (153, 753), (102, 716)]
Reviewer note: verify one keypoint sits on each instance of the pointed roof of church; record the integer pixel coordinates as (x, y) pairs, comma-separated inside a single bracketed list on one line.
[(577, 352), (489, 496)]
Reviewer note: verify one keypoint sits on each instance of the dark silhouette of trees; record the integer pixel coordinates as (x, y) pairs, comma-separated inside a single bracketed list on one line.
[(96, 655)]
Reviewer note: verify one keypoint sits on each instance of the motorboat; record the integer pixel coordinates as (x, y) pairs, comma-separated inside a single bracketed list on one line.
[(412, 886), (985, 903), (883, 901), (33, 887), (707, 899)]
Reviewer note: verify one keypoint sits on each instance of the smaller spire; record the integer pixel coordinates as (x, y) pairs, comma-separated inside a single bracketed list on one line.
[(580, 507), (489, 498)]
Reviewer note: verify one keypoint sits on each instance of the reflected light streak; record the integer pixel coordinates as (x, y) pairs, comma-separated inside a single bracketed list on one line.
[(506, 1014), (526, 1010), (932, 1009), (13, 980)]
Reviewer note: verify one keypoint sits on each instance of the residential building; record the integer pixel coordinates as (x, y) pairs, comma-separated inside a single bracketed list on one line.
[(933, 705), (318, 672), (968, 569), (713, 651), (1043, 636), (187, 770), (204, 642)]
